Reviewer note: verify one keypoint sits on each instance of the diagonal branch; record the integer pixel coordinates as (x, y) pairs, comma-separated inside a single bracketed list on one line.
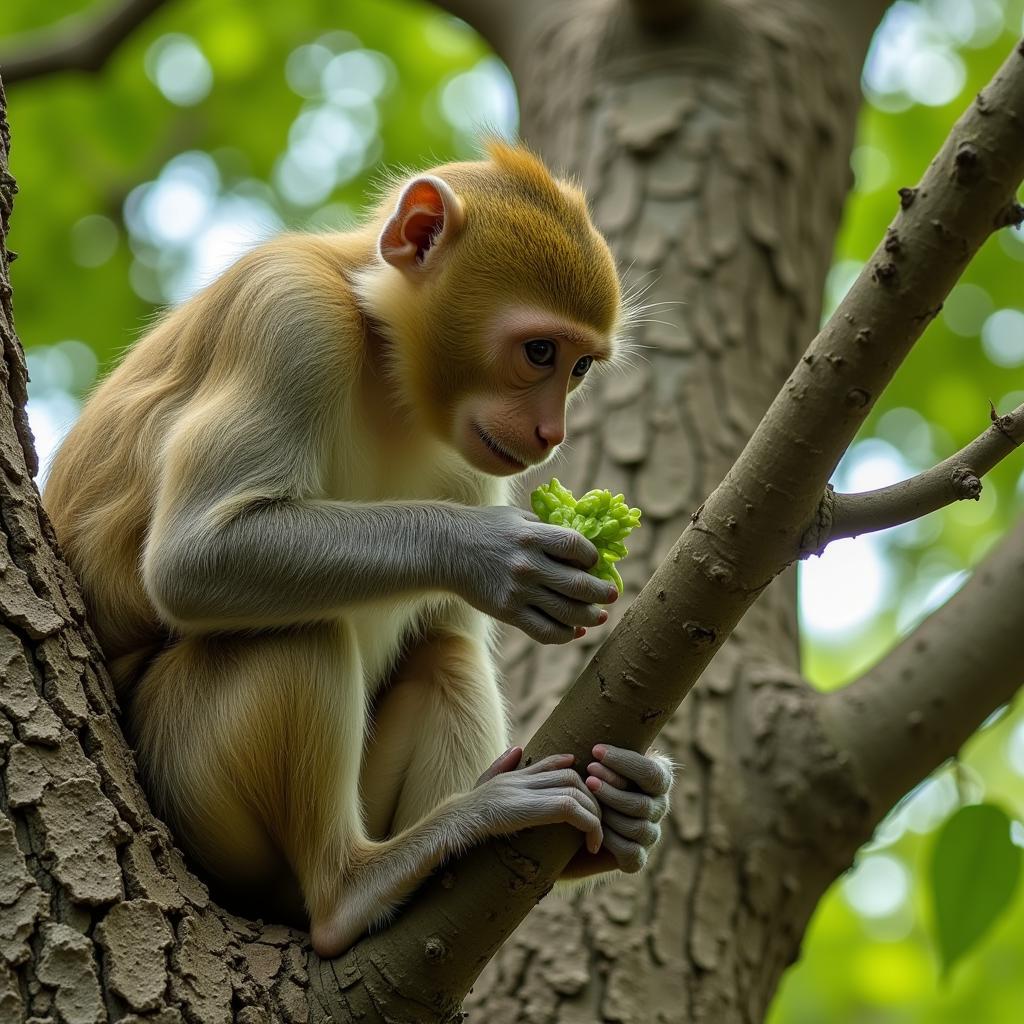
[(83, 42), (924, 699), (957, 478), (749, 529)]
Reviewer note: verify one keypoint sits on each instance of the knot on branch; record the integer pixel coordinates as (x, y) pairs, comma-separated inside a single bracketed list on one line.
[(699, 635), (967, 163), (966, 485), (1007, 425), (1011, 216), (818, 534), (857, 398), (885, 273)]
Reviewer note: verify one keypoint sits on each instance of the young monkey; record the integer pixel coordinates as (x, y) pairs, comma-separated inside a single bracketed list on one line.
[(288, 511)]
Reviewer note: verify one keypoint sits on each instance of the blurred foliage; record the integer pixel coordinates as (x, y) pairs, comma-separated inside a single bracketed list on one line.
[(219, 122), (82, 144)]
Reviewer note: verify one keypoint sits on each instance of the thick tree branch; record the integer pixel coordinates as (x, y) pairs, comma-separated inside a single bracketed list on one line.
[(502, 24), (859, 20), (749, 529), (924, 699), (957, 478), (83, 42)]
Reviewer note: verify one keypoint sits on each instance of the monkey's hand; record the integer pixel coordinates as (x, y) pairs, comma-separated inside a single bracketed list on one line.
[(549, 792), (531, 574), (633, 790)]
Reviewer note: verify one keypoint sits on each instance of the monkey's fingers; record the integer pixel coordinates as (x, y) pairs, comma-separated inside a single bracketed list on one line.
[(653, 774), (639, 830), (549, 763), (563, 609), (630, 856), (567, 806), (565, 780), (568, 546), (598, 772), (542, 628), (503, 763), (573, 585), (631, 803)]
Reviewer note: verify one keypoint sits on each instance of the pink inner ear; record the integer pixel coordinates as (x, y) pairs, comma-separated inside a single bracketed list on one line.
[(420, 228), (415, 226)]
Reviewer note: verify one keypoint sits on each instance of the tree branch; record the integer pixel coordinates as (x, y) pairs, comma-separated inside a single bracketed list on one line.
[(957, 478), (924, 699), (748, 530), (859, 20), (83, 42), (502, 24)]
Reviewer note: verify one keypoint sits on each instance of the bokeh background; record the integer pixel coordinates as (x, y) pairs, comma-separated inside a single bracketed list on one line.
[(218, 124)]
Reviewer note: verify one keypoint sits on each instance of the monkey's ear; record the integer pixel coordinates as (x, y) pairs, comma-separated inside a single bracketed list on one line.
[(428, 213)]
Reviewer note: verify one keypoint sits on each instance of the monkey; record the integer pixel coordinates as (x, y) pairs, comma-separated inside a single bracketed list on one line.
[(288, 508)]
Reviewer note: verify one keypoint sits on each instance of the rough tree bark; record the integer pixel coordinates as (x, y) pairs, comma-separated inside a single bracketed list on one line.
[(99, 916), (713, 138)]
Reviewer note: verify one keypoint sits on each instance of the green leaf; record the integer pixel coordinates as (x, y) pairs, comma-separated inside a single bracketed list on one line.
[(974, 872)]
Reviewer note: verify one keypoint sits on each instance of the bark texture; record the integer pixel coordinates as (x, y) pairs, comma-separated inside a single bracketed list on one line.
[(100, 919), (716, 159)]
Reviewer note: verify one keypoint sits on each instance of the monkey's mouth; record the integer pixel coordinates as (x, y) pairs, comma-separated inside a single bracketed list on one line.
[(496, 448)]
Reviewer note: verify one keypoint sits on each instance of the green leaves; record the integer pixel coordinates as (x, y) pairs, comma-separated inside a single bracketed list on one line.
[(974, 871), (602, 518)]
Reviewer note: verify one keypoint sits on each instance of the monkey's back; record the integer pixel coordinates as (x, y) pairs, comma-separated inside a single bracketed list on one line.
[(99, 492), (103, 484)]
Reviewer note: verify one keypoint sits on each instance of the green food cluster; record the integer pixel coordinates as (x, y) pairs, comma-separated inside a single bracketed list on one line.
[(603, 518)]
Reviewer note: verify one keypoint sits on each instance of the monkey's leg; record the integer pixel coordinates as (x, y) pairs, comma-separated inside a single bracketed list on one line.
[(436, 728), (252, 746)]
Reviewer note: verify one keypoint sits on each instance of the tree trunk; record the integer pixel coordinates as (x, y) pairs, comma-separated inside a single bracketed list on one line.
[(716, 158), (99, 916)]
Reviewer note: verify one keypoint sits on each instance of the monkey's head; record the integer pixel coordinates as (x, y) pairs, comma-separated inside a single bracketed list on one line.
[(497, 295)]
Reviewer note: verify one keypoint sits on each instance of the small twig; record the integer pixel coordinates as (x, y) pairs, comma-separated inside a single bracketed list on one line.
[(83, 42), (957, 478)]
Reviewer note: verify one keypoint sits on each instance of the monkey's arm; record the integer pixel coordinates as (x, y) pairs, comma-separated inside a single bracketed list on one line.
[(240, 536), (285, 561), (256, 561)]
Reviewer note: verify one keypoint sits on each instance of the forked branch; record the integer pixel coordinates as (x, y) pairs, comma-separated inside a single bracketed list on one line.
[(83, 42), (957, 478)]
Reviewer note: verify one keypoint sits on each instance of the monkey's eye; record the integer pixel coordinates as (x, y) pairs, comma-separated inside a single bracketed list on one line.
[(540, 352), (582, 365)]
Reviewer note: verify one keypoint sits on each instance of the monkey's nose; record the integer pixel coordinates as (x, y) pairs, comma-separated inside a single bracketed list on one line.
[(549, 435)]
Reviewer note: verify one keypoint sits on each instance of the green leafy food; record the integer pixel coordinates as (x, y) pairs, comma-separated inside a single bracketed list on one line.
[(603, 518), (974, 872)]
